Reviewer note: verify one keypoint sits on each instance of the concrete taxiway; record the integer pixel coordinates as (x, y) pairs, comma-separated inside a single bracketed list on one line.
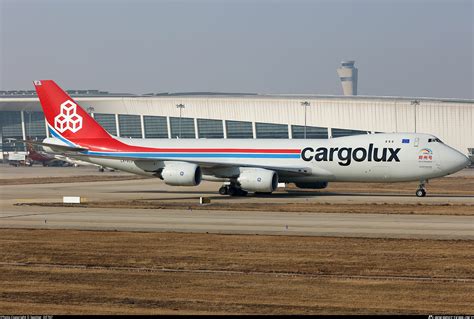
[(238, 222), (155, 189)]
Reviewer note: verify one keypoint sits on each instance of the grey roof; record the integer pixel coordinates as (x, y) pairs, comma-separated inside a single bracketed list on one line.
[(105, 94), (77, 93)]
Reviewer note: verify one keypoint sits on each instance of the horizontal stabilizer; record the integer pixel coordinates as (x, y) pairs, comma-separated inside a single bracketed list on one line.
[(56, 147)]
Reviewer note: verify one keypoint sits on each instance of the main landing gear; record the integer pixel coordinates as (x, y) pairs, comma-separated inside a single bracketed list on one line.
[(421, 191), (232, 190)]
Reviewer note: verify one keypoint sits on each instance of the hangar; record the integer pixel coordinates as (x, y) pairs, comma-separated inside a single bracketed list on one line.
[(231, 115)]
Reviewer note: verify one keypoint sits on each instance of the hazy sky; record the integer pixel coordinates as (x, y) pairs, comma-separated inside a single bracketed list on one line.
[(402, 48)]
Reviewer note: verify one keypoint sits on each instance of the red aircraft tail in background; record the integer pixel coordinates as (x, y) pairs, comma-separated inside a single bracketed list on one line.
[(36, 156)]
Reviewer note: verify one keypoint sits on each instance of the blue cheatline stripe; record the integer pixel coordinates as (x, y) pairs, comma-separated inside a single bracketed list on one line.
[(56, 135), (190, 155)]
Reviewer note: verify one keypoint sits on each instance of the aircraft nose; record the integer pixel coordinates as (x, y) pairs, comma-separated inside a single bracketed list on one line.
[(467, 161), (458, 161)]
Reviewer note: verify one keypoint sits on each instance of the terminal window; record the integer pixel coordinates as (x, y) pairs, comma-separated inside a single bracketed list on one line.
[(155, 127), (210, 128), (130, 126), (239, 129), (297, 131), (107, 121), (338, 132), (187, 127), (269, 130)]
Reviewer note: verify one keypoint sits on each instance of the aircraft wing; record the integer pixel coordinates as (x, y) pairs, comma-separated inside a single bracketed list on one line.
[(84, 153), (208, 164)]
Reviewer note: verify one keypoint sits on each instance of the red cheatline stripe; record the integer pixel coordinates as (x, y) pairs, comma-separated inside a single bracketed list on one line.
[(131, 148), (222, 150)]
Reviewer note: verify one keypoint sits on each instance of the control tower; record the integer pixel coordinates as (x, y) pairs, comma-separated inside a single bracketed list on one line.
[(348, 75)]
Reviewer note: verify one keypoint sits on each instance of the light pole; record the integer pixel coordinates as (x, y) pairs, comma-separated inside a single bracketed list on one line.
[(180, 107), (90, 110), (415, 103), (305, 104)]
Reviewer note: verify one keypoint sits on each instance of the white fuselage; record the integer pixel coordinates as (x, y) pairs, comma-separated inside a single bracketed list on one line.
[(362, 158)]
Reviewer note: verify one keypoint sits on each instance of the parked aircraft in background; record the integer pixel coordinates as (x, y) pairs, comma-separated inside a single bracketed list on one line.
[(48, 159), (245, 165), (42, 157)]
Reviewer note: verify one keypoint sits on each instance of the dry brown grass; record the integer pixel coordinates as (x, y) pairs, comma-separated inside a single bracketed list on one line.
[(263, 206), (244, 274), (76, 179)]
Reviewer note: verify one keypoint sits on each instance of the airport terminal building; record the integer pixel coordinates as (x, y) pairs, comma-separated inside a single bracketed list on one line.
[(222, 115)]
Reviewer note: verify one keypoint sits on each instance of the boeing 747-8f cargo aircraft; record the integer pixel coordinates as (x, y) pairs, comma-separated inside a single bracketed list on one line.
[(247, 165)]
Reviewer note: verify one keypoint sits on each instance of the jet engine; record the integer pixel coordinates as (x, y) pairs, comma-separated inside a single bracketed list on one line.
[(258, 180), (313, 185), (181, 174)]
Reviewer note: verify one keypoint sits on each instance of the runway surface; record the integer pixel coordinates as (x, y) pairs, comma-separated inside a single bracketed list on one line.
[(308, 224)]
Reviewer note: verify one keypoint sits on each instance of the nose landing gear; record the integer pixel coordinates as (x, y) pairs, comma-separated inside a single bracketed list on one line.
[(421, 191)]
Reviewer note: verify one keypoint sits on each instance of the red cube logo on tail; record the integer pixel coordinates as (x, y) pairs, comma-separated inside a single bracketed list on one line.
[(68, 119)]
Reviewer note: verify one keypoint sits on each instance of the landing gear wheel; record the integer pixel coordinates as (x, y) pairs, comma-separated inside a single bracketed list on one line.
[(224, 190), (421, 192)]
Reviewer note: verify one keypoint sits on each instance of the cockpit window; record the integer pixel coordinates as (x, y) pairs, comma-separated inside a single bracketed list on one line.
[(434, 140)]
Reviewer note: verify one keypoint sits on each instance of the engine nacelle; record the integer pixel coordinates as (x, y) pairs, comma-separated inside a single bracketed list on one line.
[(258, 180), (312, 185), (181, 174)]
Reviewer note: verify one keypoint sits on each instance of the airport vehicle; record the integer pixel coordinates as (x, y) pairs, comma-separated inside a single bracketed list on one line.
[(245, 165), (17, 159)]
